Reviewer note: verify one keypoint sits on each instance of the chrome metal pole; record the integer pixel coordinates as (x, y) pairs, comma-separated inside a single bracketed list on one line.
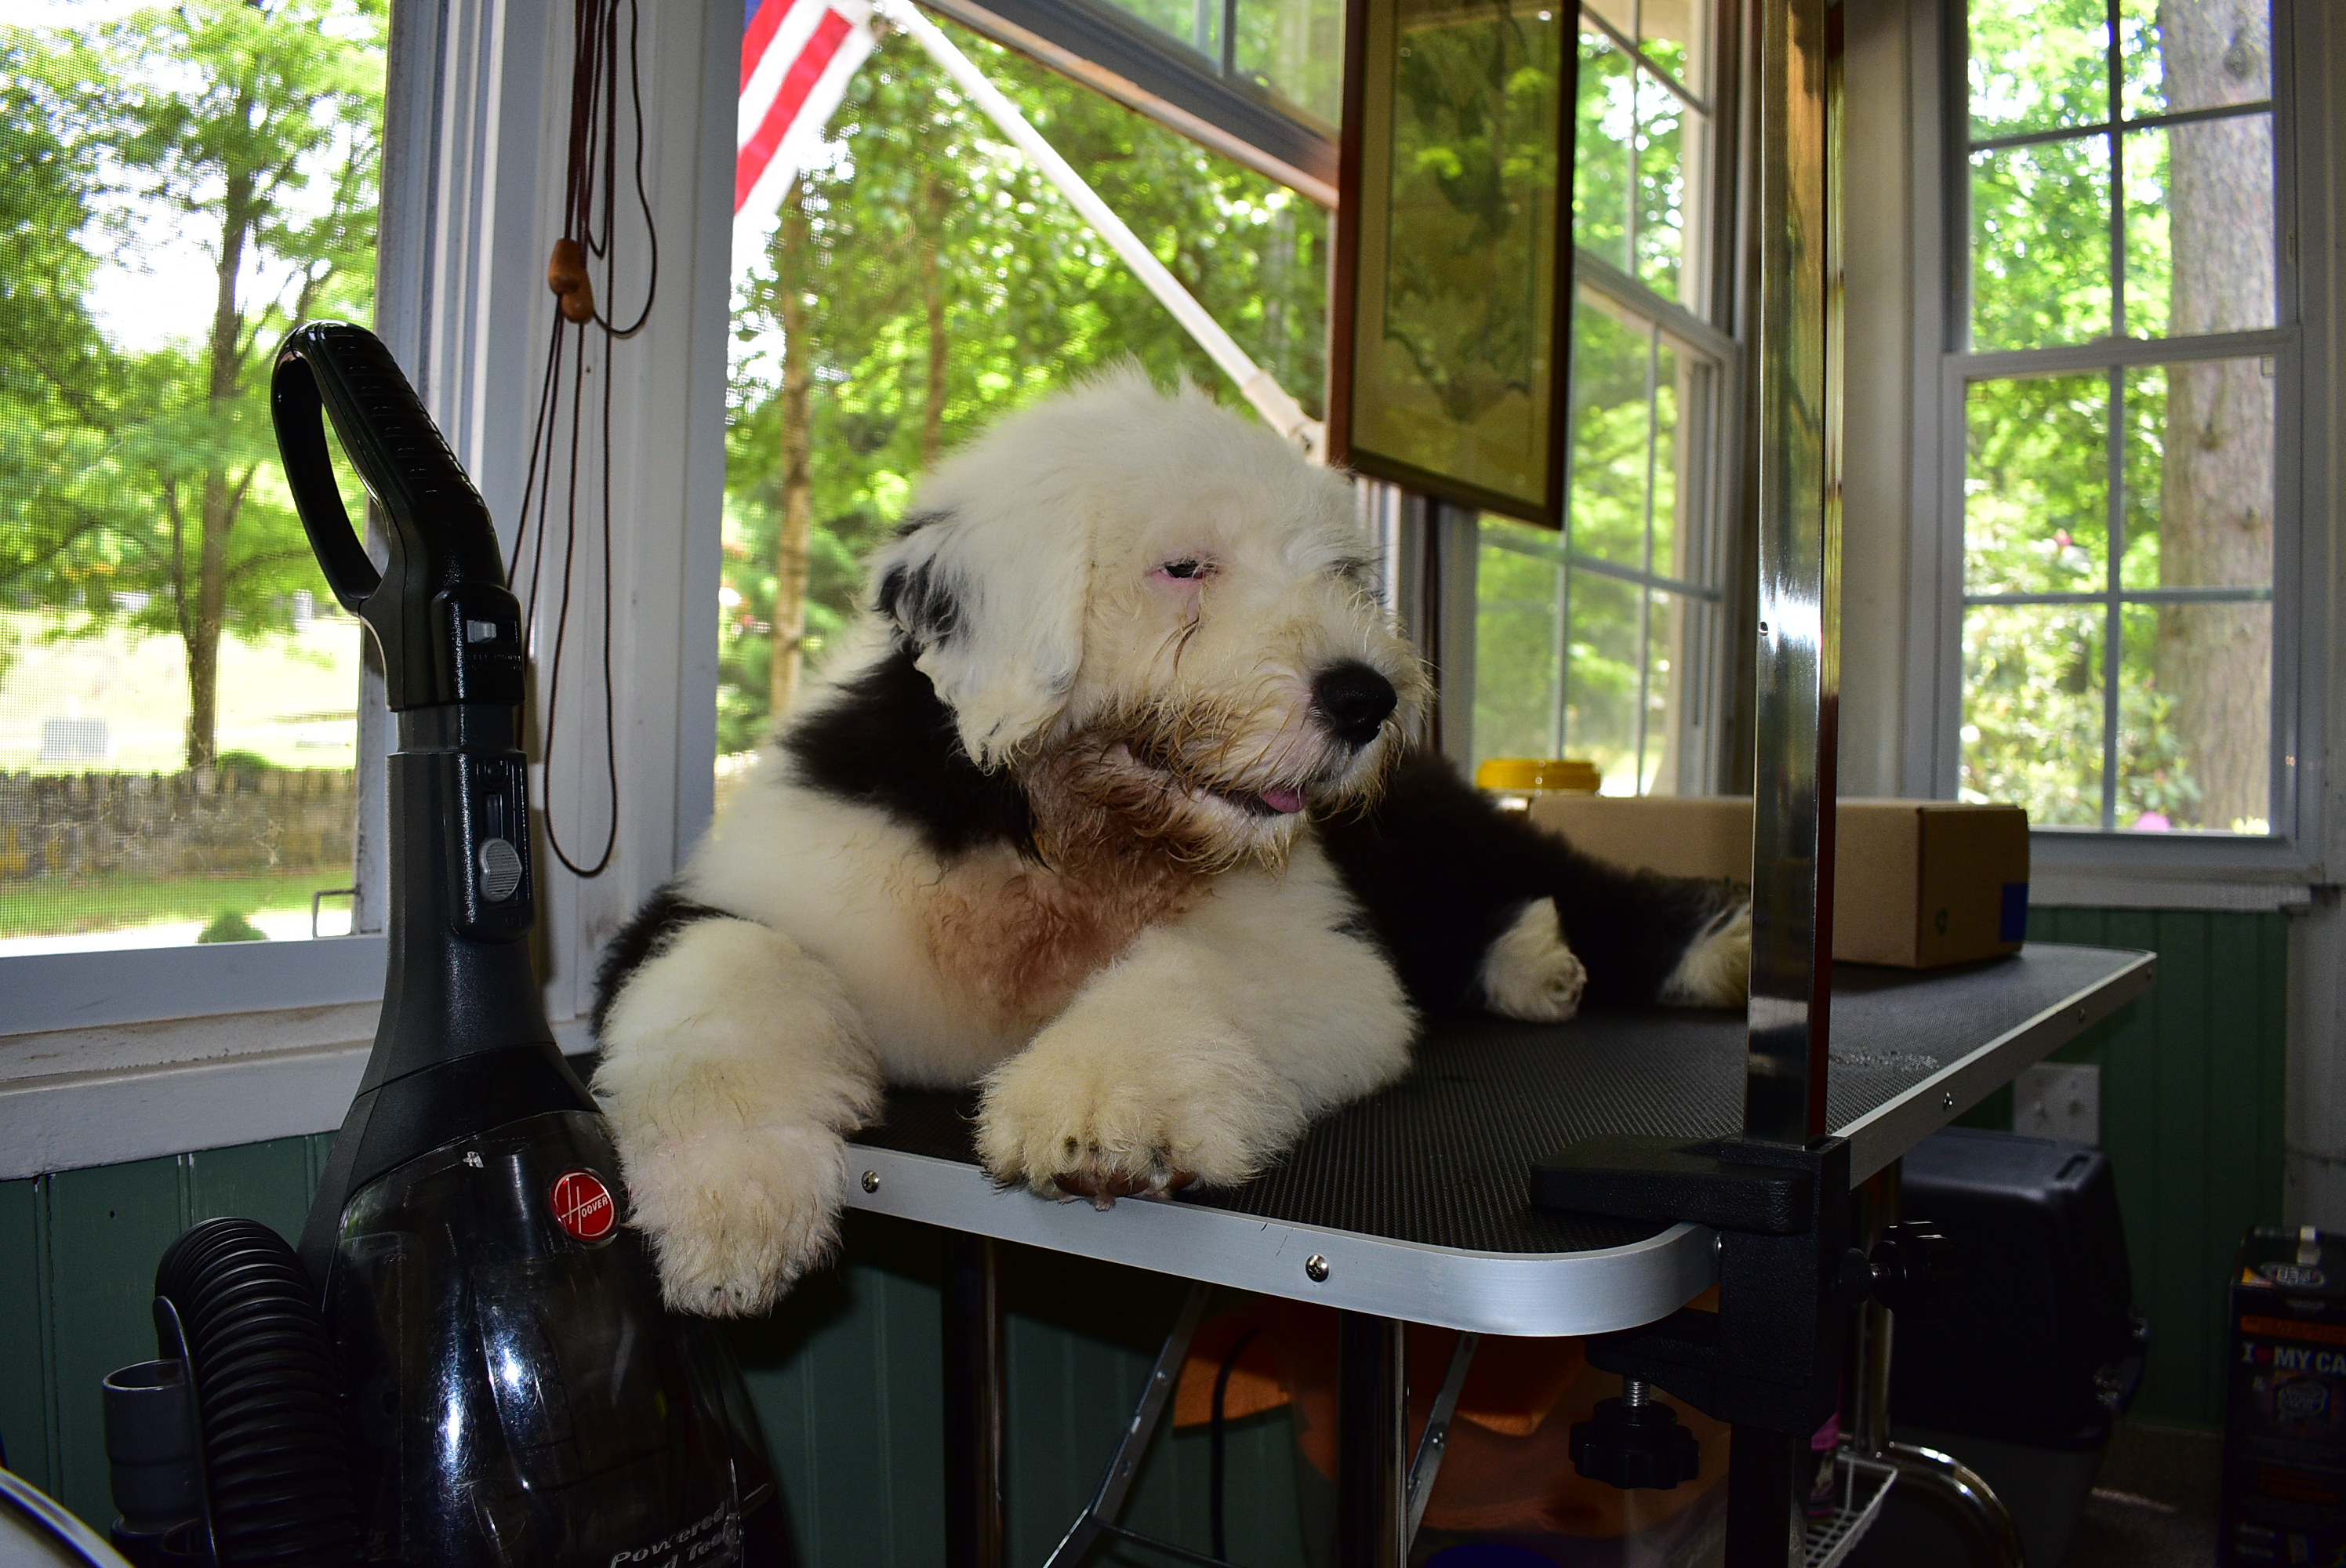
[(1798, 667), (973, 1404), (1371, 1442), (1799, 659)]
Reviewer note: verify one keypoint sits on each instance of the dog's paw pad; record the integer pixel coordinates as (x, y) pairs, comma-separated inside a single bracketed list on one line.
[(1072, 1122), (1531, 973)]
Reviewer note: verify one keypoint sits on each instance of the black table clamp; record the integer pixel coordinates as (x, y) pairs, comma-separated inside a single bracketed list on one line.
[(1770, 1356)]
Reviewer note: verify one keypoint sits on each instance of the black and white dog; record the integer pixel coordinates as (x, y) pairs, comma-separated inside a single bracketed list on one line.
[(1107, 813)]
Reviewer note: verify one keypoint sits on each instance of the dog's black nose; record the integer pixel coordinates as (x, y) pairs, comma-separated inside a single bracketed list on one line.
[(1351, 700)]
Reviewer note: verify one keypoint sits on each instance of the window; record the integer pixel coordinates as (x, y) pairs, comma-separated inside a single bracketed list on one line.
[(1292, 51), (2125, 356), (1601, 643), (178, 691), (941, 312)]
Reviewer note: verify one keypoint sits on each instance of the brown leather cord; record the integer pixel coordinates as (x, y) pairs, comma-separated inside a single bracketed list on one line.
[(590, 190)]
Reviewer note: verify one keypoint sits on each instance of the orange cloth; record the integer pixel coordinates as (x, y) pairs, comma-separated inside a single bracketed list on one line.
[(1507, 1467)]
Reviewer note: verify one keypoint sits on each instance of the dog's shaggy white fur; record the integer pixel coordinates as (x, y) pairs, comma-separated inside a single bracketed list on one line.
[(1046, 829)]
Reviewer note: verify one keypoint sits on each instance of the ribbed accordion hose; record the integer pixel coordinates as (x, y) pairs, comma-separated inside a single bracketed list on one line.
[(276, 1458)]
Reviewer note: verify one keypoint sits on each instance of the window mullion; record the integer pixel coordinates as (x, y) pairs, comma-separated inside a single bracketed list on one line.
[(2114, 611)]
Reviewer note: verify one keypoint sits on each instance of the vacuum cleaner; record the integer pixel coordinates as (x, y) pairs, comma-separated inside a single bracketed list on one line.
[(465, 1363)]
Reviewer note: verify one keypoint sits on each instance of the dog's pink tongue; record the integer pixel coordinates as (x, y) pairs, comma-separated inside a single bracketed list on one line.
[(1283, 801)]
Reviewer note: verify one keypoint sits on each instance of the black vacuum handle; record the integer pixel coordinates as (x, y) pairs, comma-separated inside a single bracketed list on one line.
[(448, 629)]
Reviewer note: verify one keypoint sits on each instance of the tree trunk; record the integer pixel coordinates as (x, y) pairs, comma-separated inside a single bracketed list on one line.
[(791, 270), (222, 497), (2215, 661), (933, 201)]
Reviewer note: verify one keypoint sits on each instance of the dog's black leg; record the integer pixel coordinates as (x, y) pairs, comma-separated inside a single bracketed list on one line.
[(1442, 874)]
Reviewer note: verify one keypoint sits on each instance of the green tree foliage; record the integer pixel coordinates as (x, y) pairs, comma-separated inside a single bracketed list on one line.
[(60, 384), (255, 128), (945, 283)]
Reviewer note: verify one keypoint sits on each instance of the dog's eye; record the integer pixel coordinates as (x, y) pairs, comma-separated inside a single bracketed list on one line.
[(1186, 566)]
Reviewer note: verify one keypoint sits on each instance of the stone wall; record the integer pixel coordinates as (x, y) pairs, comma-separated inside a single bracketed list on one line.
[(229, 821)]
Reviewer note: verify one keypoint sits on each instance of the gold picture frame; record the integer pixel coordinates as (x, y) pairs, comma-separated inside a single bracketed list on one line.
[(1451, 322)]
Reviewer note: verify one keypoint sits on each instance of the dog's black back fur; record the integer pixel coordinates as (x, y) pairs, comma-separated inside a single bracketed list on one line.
[(887, 741), (1442, 873)]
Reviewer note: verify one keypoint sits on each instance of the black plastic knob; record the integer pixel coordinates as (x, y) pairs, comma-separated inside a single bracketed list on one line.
[(1915, 1270), (1635, 1444)]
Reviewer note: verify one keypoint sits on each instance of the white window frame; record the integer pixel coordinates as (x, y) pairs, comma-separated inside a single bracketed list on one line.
[(1718, 516), (2090, 865), (123, 1055)]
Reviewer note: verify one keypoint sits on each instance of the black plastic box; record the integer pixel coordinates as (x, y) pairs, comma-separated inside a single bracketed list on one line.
[(2025, 1372), (2285, 1415), (2041, 1345)]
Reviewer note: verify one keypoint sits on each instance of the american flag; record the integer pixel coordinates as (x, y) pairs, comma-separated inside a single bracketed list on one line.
[(796, 59)]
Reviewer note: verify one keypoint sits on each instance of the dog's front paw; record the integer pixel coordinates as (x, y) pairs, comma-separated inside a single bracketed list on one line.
[(1531, 973), (1089, 1113), (735, 1216), (1716, 971)]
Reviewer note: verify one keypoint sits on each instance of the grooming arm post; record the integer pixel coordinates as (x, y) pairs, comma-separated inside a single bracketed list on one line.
[(1278, 411)]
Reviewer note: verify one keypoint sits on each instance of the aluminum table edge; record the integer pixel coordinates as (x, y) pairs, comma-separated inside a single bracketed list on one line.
[(1888, 1131), (1558, 1293)]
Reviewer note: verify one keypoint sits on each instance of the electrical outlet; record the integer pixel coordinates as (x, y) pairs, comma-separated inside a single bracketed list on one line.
[(2059, 1100)]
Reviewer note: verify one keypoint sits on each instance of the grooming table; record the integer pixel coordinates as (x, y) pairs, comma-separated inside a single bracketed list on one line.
[(1414, 1199), (1411, 1206)]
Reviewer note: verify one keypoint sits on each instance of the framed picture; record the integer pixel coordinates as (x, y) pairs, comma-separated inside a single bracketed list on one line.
[(1448, 342)]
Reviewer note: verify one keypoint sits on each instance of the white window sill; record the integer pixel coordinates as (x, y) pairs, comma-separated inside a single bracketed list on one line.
[(71, 1098), (2054, 888)]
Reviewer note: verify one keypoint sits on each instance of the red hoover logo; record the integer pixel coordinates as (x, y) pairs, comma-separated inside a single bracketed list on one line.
[(583, 1206)]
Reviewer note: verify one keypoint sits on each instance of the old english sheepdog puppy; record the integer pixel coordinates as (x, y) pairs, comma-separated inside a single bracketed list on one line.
[(1090, 818)]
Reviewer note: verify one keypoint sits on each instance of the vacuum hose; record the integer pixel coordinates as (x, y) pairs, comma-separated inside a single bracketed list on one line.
[(232, 1299)]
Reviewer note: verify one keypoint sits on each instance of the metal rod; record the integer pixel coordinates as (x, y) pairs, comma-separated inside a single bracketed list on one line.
[(974, 1400), (1763, 1527), (1799, 633), (1256, 385), (1963, 1501), (1432, 1442), (1372, 1441), (1108, 1499)]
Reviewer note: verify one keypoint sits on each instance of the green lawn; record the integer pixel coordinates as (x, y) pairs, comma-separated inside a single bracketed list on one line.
[(56, 906)]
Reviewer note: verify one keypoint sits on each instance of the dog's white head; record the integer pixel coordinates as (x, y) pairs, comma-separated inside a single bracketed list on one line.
[(1147, 606)]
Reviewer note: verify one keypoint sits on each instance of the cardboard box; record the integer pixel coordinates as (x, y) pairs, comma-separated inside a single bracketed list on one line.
[(2284, 1496), (1917, 883)]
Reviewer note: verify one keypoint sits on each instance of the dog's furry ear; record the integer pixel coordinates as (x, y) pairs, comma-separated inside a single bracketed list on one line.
[(993, 614)]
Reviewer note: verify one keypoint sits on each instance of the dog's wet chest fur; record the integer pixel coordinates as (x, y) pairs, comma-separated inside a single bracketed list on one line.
[(1018, 939)]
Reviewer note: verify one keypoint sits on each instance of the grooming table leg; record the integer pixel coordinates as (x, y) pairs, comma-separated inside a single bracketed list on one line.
[(1107, 1502), (1435, 1440), (1373, 1442), (1764, 1530), (974, 1401)]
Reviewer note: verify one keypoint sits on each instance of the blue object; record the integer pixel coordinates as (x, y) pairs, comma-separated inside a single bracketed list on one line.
[(2013, 926)]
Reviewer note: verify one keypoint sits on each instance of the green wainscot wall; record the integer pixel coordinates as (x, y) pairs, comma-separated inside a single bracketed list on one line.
[(2191, 1118), (847, 1373)]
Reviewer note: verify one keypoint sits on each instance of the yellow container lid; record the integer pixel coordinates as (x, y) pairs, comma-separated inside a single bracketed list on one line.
[(1528, 773)]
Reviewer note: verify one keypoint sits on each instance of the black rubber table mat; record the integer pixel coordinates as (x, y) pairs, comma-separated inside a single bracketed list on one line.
[(1439, 1159)]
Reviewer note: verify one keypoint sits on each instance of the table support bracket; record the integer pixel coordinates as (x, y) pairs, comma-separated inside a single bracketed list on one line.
[(1435, 1441), (1769, 1358), (1100, 1515)]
